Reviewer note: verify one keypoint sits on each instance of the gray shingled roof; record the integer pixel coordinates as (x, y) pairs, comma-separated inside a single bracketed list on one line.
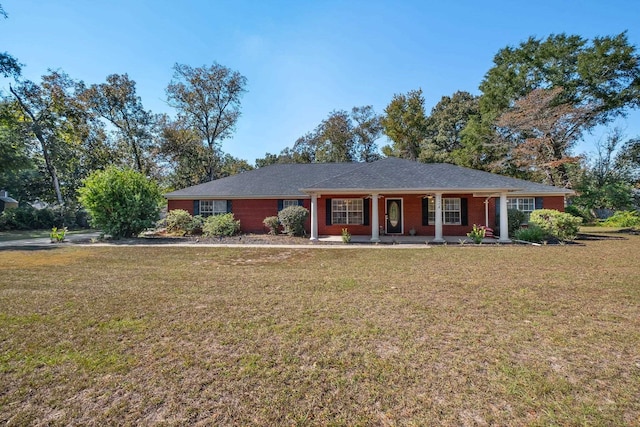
[(273, 181), (390, 174)]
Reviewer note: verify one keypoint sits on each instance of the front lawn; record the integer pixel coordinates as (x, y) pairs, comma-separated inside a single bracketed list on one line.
[(448, 335)]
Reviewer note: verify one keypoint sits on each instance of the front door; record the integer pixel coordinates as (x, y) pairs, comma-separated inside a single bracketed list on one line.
[(394, 216)]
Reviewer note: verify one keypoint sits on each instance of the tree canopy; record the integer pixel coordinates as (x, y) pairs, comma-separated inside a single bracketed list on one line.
[(208, 99), (405, 123), (341, 137)]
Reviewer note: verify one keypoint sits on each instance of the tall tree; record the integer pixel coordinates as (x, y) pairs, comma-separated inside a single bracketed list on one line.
[(208, 99), (366, 131), (541, 132), (405, 123), (53, 119), (334, 139), (116, 101), (444, 127), (602, 74), (181, 147), (341, 137)]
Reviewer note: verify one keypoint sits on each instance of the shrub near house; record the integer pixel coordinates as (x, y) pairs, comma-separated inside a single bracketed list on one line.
[(220, 225), (555, 224), (122, 202)]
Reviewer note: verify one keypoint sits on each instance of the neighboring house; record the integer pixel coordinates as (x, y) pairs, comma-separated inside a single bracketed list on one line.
[(389, 196), (7, 202)]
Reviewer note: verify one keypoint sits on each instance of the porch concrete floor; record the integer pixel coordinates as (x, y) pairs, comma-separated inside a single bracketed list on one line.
[(407, 240)]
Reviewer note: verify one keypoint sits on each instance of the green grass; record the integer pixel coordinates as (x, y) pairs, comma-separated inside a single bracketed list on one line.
[(452, 335)]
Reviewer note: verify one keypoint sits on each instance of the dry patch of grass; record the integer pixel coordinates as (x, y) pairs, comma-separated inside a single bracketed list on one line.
[(508, 335)]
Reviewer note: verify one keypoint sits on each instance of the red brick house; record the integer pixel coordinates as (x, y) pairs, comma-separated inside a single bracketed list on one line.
[(391, 196)]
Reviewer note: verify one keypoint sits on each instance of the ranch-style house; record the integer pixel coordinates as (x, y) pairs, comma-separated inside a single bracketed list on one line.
[(390, 196)]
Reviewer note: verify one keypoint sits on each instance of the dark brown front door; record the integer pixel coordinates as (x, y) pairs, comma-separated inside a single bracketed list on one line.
[(394, 216)]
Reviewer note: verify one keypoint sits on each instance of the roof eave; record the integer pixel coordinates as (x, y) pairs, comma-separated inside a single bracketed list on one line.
[(229, 197), (407, 190)]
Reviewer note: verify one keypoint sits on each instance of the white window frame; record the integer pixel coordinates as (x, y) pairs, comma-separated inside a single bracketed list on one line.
[(347, 211), (213, 207), (526, 205), (451, 208), (289, 203)]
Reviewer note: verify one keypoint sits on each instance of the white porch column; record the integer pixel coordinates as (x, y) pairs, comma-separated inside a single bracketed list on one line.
[(504, 219), (438, 236), (375, 225), (314, 218)]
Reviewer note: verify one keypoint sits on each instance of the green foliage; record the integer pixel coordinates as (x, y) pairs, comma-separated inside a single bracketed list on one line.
[(601, 72), (220, 225), (14, 139), (623, 219), (179, 220), (208, 101), (29, 218), (273, 224), (555, 224), (532, 233), (57, 235), (346, 236), (476, 234), (117, 103), (443, 142), (121, 202), (607, 181), (293, 219), (580, 213), (405, 123), (515, 220)]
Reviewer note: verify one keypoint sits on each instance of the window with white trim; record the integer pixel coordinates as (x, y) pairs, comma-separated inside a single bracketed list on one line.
[(347, 211), (213, 207), (525, 205), (451, 211), (289, 203)]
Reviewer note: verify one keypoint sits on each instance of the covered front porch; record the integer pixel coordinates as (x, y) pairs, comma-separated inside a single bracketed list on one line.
[(377, 212)]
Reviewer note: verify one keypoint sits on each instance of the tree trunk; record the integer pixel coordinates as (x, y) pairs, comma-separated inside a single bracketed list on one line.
[(35, 127)]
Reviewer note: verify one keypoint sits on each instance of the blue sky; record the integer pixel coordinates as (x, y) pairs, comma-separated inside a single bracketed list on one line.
[(302, 59)]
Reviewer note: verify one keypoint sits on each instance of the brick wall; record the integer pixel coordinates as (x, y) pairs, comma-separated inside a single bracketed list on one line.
[(252, 212)]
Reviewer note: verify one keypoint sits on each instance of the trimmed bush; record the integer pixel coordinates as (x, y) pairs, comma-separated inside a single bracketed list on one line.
[(179, 220), (197, 222), (273, 224), (555, 224), (623, 219), (293, 219), (220, 225), (515, 220), (532, 233)]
